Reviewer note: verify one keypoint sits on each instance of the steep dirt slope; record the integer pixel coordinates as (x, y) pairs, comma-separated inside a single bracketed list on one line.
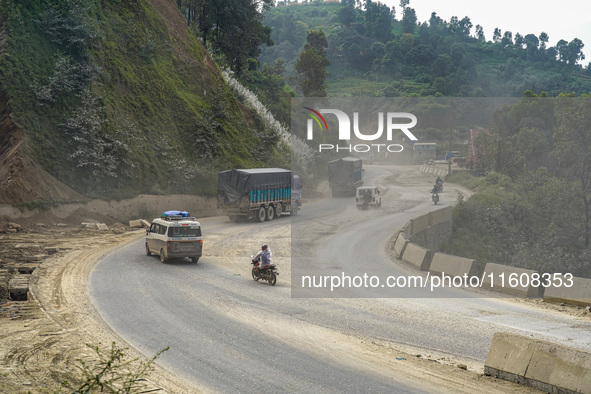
[(21, 179)]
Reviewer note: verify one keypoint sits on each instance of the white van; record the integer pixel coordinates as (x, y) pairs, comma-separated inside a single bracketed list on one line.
[(175, 236)]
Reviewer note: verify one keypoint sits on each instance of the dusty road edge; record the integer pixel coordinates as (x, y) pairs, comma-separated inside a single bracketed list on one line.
[(60, 287)]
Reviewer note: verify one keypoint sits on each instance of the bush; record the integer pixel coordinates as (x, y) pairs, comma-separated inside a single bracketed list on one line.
[(112, 373)]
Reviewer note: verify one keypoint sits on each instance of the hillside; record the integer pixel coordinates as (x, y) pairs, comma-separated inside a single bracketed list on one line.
[(373, 54), (113, 99)]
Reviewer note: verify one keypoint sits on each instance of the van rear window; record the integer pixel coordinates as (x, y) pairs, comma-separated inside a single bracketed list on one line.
[(184, 231)]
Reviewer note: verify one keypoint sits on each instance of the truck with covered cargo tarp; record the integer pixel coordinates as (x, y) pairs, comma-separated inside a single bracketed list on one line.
[(345, 175), (260, 193)]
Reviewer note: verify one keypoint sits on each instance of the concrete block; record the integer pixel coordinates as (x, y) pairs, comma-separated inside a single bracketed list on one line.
[(27, 268), (417, 256), (34, 258), (18, 287), (145, 223), (136, 223), (52, 250), (400, 245), (96, 226), (539, 364), (496, 275), (452, 265), (578, 294)]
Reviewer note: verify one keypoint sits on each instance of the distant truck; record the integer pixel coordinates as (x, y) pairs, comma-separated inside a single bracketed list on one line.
[(345, 176), (259, 193)]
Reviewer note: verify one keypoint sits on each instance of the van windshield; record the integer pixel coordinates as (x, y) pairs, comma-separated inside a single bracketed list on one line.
[(184, 231)]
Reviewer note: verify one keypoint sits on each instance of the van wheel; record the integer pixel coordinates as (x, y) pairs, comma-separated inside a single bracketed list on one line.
[(194, 259), (262, 214), (278, 210), (148, 253), (162, 257), (270, 213)]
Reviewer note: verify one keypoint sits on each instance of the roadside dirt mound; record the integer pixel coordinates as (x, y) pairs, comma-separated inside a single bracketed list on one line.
[(21, 179), (43, 219)]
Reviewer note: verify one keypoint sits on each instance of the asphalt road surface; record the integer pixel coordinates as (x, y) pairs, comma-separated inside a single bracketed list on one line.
[(232, 334)]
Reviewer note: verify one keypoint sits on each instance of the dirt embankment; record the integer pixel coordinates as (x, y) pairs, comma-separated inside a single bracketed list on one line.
[(21, 179), (44, 337)]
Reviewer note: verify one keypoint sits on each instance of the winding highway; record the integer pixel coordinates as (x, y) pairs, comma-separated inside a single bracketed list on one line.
[(228, 333)]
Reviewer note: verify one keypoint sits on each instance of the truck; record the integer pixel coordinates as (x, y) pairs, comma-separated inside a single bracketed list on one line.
[(345, 175), (259, 193)]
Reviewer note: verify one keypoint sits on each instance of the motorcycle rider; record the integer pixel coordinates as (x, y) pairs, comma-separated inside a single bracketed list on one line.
[(435, 193), (263, 258), (439, 184)]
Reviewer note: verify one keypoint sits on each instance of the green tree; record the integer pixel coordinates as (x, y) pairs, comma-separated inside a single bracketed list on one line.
[(507, 39), (497, 35), (392, 56), (574, 51), (378, 21), (543, 37), (234, 27), (480, 33), (346, 15), (311, 65), (409, 20), (531, 44)]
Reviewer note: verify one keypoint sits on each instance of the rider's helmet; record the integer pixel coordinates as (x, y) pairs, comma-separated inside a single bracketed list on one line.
[(264, 247)]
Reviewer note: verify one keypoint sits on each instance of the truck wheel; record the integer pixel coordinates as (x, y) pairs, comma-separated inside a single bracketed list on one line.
[(148, 253), (278, 210), (262, 214), (270, 212), (194, 259)]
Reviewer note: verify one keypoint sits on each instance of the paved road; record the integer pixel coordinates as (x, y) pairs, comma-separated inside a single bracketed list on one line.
[(232, 334)]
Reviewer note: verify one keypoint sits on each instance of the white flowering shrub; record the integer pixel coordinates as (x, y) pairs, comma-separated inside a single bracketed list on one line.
[(100, 155), (301, 154), (68, 76)]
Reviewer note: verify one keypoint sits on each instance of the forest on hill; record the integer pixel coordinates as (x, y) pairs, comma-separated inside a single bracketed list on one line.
[(378, 51)]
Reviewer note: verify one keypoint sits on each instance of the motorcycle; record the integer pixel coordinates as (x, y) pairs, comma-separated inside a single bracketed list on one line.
[(269, 273), (435, 198)]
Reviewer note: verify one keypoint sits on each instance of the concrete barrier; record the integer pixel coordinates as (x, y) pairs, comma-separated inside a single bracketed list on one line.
[(539, 364), (497, 277), (451, 265), (424, 222), (417, 256), (400, 245), (420, 223), (440, 216), (578, 294)]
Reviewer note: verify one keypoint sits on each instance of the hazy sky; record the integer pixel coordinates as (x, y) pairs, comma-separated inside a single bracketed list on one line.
[(565, 19)]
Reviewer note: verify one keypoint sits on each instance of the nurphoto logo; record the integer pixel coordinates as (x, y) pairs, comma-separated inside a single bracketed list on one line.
[(391, 119)]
